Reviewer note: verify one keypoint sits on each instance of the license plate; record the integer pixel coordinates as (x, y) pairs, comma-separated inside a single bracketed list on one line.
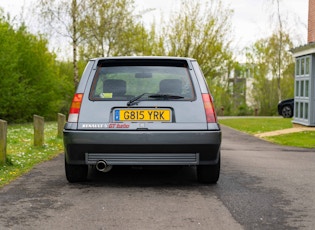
[(142, 115)]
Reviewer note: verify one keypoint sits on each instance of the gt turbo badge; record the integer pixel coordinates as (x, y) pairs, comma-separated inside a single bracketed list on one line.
[(106, 125)]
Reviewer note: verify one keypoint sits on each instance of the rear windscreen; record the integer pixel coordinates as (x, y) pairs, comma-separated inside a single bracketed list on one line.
[(126, 82)]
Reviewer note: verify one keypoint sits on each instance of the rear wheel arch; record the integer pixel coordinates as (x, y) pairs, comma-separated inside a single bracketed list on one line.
[(209, 173), (76, 173)]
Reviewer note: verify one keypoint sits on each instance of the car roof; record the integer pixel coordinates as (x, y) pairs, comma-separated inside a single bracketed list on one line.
[(143, 57)]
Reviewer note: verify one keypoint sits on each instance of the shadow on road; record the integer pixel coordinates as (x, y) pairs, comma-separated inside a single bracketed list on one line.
[(156, 176)]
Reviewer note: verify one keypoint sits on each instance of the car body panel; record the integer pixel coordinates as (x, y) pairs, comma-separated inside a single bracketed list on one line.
[(79, 143), (98, 135)]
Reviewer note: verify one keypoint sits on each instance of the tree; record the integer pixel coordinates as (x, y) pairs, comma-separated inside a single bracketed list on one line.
[(264, 65), (9, 76), (29, 82), (63, 17), (201, 31), (96, 28), (111, 29), (279, 48)]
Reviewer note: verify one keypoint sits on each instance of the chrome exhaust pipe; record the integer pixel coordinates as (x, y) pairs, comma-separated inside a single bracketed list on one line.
[(102, 166)]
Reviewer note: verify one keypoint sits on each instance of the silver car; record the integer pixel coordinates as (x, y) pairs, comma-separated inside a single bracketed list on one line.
[(142, 111)]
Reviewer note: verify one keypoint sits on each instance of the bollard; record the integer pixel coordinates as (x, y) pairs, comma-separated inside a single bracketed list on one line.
[(38, 130), (256, 112), (61, 124), (3, 142), (222, 111)]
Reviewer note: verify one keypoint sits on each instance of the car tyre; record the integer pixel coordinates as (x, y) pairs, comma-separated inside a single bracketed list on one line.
[(287, 111), (209, 174), (76, 173)]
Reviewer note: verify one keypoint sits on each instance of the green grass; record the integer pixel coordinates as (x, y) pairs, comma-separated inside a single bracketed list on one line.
[(260, 125), (304, 139), (22, 156), (257, 125)]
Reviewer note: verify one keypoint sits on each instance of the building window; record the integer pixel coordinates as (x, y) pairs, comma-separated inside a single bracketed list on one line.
[(297, 88), (302, 89), (297, 67), (301, 110), (307, 66), (306, 88), (306, 111), (302, 66)]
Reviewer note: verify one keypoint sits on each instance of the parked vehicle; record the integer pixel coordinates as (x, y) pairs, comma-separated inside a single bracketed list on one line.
[(142, 111), (286, 108)]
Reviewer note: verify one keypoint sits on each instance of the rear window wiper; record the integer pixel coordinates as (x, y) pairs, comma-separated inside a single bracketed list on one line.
[(136, 98), (165, 96), (154, 95)]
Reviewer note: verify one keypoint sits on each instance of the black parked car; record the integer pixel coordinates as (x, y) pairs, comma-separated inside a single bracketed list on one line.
[(286, 107)]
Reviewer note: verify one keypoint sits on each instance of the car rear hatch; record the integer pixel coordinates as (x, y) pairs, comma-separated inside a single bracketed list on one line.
[(145, 94)]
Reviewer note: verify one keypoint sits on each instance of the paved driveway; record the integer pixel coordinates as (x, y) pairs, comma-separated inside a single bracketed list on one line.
[(262, 186)]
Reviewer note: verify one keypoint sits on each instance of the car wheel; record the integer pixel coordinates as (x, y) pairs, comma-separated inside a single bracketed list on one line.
[(287, 111), (209, 173), (76, 173)]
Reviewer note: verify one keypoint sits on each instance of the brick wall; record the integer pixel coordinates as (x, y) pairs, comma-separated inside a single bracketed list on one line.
[(311, 21)]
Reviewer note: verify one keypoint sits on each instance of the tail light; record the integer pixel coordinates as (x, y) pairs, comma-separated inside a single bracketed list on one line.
[(75, 107), (209, 108)]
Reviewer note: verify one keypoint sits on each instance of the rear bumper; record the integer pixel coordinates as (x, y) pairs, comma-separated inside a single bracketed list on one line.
[(142, 147)]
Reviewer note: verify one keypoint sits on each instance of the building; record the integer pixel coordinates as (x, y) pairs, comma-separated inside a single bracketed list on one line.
[(304, 86)]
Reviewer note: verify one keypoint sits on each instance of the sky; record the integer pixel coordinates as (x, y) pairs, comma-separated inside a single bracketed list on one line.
[(252, 19)]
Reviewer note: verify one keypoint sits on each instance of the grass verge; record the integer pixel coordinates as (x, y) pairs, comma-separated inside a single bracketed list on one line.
[(257, 125), (22, 156), (305, 139), (254, 125)]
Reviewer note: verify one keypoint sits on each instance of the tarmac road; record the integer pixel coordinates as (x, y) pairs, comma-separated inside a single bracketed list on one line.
[(262, 186)]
